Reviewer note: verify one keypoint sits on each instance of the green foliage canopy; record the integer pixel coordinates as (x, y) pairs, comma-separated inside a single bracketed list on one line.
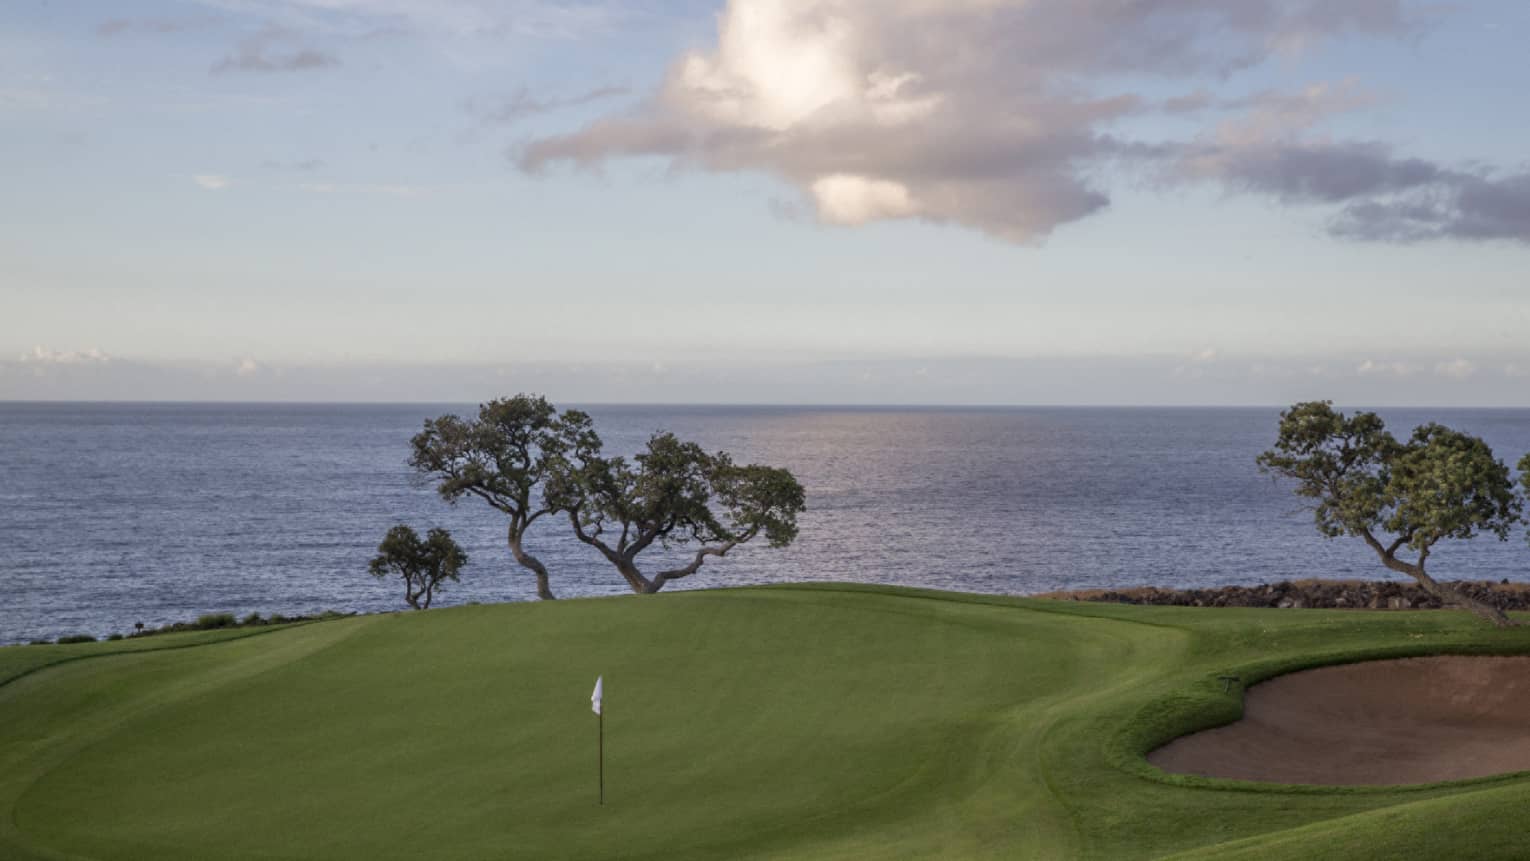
[(424, 565), (674, 494), (504, 457), (1440, 484)]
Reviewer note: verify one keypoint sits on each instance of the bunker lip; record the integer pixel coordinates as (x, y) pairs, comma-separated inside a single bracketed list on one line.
[(1375, 723)]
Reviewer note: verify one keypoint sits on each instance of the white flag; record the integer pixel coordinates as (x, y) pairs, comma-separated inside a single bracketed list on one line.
[(595, 697)]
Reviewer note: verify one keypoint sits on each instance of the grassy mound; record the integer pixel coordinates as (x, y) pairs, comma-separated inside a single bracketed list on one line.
[(802, 722)]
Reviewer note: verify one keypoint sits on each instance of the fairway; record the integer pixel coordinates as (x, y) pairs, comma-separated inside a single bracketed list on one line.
[(778, 722)]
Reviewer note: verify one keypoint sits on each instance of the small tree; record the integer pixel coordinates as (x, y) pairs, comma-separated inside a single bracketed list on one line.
[(503, 457), (424, 566), (677, 495), (1395, 496)]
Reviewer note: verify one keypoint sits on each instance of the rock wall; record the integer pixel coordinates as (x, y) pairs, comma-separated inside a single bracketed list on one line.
[(1382, 595)]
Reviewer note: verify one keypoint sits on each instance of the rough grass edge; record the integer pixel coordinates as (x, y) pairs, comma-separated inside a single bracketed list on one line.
[(242, 633)]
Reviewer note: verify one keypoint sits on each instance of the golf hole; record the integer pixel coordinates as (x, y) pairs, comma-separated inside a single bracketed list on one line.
[(1376, 723)]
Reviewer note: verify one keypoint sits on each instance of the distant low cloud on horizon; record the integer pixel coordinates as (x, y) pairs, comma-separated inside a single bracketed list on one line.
[(1202, 378), (1004, 116)]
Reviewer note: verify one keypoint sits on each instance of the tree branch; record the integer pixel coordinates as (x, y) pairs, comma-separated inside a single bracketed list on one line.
[(592, 538), (492, 500), (700, 559)]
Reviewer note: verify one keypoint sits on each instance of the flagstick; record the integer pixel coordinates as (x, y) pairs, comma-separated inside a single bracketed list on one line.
[(597, 705)]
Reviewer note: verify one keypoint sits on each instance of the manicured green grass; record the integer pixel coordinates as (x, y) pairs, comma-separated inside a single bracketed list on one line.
[(785, 722)]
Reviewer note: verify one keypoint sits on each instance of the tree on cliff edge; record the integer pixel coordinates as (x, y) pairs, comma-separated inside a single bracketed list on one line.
[(504, 457), (1399, 498), (423, 564), (676, 495)]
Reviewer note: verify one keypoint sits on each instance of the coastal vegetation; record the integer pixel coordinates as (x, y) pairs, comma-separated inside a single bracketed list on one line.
[(504, 457), (677, 495), (527, 460), (818, 722), (204, 622), (1400, 498), (423, 564)]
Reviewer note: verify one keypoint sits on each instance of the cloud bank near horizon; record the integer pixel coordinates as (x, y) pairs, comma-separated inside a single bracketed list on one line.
[(1206, 377), (1006, 116)]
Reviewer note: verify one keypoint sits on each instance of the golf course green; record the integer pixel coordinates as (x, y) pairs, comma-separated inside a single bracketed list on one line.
[(820, 722)]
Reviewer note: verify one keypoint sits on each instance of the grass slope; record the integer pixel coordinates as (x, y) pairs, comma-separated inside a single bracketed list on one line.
[(802, 722)]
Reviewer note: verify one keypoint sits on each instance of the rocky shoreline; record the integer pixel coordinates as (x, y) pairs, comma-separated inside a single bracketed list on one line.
[(1317, 594)]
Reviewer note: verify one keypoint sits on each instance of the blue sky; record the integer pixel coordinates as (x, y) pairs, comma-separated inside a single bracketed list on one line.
[(974, 201)]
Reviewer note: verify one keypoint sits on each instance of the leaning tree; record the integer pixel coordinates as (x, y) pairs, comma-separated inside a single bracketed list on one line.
[(423, 564), (674, 495), (1400, 498), (504, 457)]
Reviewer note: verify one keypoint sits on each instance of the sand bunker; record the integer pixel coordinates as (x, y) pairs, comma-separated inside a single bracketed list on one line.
[(1415, 720)]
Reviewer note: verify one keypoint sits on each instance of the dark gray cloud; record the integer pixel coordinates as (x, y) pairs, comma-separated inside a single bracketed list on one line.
[(1269, 148), (1322, 173), (1458, 206), (524, 104), (998, 115), (271, 51)]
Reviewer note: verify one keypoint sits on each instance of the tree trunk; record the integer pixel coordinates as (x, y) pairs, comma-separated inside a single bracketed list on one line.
[(532, 563), (1450, 596), (1446, 594), (635, 579)]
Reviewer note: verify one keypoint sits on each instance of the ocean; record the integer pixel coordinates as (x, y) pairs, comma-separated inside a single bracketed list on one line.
[(113, 514)]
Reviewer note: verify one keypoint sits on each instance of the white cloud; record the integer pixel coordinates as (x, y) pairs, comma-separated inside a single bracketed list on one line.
[(1370, 367), (212, 181), (43, 356), (992, 114), (846, 199), (1457, 368), (248, 367), (1003, 115)]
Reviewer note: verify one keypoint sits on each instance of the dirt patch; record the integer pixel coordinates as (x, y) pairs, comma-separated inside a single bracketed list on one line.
[(1414, 720)]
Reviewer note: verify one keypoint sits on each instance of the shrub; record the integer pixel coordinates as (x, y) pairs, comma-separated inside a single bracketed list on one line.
[(114, 637), (76, 638), (278, 619), (216, 620), (40, 643), (253, 619)]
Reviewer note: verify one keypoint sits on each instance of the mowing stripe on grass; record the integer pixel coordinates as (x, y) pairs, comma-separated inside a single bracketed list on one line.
[(778, 722)]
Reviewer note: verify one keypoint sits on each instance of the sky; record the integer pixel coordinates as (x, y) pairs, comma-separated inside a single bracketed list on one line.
[(766, 201)]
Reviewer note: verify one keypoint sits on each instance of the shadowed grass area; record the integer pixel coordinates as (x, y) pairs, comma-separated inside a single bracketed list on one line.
[(811, 722)]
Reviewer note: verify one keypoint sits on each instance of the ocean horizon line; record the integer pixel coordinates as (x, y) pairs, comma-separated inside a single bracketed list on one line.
[(838, 405)]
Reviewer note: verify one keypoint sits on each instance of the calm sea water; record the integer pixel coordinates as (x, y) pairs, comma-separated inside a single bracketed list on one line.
[(115, 514)]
